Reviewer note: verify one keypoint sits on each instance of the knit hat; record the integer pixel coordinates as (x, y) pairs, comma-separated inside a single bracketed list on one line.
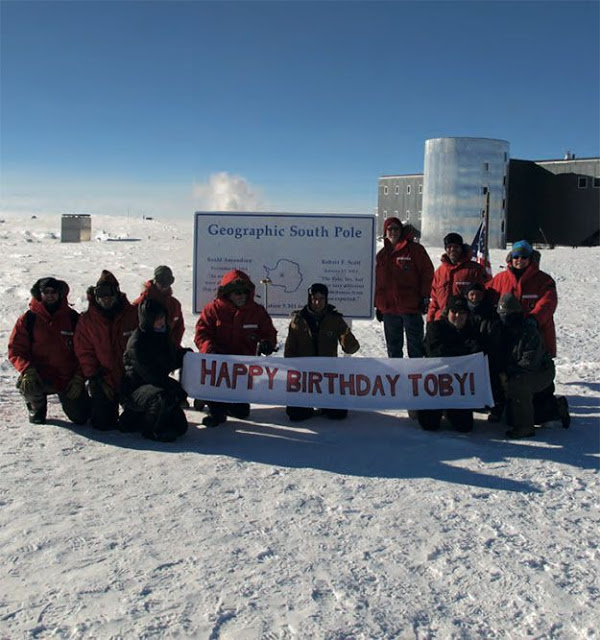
[(453, 238), (521, 249), (164, 276), (390, 221), (509, 304), (475, 286), (49, 283), (107, 285), (457, 303)]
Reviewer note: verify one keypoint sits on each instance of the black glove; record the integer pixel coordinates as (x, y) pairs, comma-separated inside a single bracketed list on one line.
[(378, 315), (265, 348), (99, 387), (30, 383), (424, 306)]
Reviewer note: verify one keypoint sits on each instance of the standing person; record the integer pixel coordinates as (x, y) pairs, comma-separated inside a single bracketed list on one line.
[(234, 324), (450, 336), (528, 369), (315, 331), (40, 348), (403, 277), (159, 289), (100, 340), (534, 289), (454, 276), (152, 399)]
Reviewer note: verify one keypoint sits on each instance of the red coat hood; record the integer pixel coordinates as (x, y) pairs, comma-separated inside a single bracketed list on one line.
[(235, 279)]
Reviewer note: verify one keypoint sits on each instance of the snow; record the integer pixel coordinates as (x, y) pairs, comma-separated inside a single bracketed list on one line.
[(369, 528)]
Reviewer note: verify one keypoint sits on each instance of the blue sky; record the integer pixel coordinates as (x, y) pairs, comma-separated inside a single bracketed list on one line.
[(117, 107)]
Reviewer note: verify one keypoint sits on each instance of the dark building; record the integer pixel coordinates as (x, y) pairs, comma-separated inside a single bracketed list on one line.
[(554, 202)]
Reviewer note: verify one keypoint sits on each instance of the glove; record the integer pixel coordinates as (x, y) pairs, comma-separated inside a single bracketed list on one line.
[(75, 387), (378, 315), (424, 306), (265, 348), (30, 382), (99, 386)]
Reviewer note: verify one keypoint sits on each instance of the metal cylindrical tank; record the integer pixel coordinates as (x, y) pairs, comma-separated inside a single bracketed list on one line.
[(458, 173)]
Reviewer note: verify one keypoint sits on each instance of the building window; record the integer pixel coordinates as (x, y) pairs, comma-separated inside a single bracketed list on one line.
[(596, 183), (397, 190), (582, 182), (407, 189), (385, 191), (486, 166), (505, 156), (484, 190), (420, 188), (396, 213)]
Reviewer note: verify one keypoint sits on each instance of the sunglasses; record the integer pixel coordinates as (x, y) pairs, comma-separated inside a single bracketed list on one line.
[(393, 227), (49, 292)]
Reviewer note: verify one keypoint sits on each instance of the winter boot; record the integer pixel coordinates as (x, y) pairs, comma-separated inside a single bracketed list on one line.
[(563, 411), (214, 419), (515, 434), (37, 415)]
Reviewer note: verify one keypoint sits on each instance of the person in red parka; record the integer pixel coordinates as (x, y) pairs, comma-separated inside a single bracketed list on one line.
[(534, 289), (159, 289), (100, 340), (41, 349), (234, 324), (454, 276), (403, 276)]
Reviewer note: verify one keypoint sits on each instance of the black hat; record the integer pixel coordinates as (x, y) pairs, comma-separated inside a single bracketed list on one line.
[(148, 311), (457, 303), (509, 304), (475, 286), (453, 238), (49, 283), (164, 275), (107, 285)]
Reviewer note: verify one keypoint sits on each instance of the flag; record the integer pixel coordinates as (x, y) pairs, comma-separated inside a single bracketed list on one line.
[(481, 253)]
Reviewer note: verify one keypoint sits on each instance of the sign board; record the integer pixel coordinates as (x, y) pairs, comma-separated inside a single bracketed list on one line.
[(290, 252)]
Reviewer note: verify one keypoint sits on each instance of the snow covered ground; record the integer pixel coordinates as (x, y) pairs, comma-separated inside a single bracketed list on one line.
[(370, 528)]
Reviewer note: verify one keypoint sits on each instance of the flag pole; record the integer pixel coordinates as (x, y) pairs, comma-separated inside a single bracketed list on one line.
[(486, 217)]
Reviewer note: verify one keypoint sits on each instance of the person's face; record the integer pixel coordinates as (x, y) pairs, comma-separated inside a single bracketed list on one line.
[(457, 318), (49, 295), (454, 252), (392, 233), (238, 297), (520, 262), (107, 301), (159, 323), (161, 287), (475, 296), (317, 301)]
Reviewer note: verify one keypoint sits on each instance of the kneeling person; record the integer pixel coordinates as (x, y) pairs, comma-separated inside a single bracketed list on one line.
[(41, 349), (151, 398), (450, 336), (315, 331)]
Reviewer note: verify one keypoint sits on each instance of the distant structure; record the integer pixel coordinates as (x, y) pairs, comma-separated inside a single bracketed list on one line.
[(76, 227), (553, 202)]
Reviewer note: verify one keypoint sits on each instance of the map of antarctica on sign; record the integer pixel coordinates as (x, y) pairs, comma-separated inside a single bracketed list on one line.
[(284, 254)]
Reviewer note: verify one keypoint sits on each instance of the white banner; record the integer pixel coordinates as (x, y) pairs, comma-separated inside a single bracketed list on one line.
[(344, 383)]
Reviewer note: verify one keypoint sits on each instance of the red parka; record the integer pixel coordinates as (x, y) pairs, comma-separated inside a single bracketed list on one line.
[(100, 339), (225, 328), (536, 291), (171, 304), (403, 275), (51, 351), (453, 280)]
